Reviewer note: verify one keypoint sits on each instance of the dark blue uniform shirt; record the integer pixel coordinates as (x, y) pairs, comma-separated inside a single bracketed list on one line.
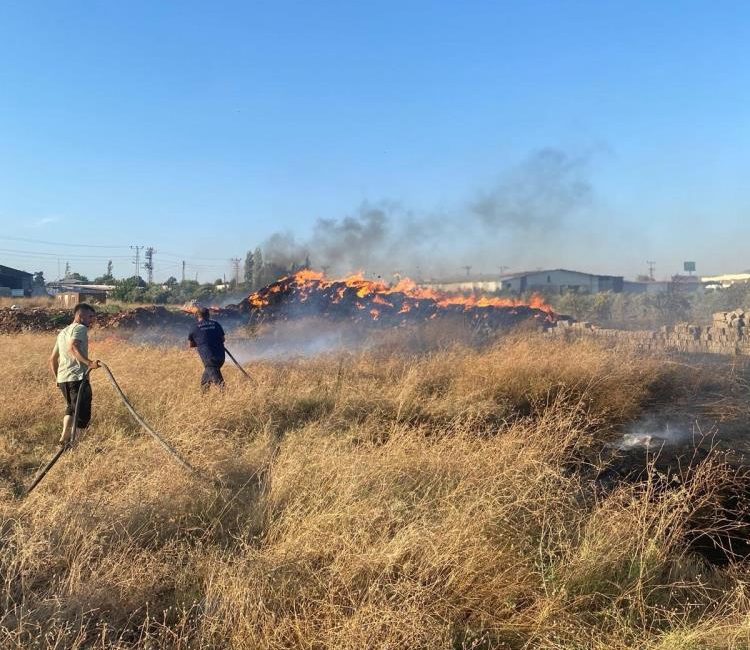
[(208, 337)]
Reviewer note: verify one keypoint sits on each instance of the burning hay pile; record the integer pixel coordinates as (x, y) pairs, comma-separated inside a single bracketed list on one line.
[(307, 294), (355, 299)]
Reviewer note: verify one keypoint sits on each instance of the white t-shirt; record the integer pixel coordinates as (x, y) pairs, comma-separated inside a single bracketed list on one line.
[(69, 368)]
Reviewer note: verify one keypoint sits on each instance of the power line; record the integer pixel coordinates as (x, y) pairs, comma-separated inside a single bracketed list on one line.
[(179, 256), (74, 256), (27, 257), (195, 257), (57, 243)]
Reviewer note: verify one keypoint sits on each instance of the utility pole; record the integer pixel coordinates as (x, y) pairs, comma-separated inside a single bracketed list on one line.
[(183, 271), (149, 265), (236, 270), (651, 268), (137, 260)]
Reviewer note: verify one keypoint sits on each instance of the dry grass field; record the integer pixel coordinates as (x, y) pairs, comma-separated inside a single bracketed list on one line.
[(383, 499), (27, 303)]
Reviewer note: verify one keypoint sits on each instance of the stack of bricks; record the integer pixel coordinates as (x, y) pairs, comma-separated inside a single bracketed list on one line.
[(727, 331), (727, 334)]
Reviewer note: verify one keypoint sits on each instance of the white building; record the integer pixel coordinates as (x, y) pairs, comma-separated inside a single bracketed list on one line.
[(724, 281), (466, 284)]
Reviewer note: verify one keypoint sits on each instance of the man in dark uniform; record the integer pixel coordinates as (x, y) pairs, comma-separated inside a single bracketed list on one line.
[(208, 337)]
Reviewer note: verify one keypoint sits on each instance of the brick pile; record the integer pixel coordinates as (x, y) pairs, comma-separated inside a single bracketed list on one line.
[(727, 334)]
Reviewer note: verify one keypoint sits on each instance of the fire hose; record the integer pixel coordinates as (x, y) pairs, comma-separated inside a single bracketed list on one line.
[(164, 444), (136, 416), (236, 363), (66, 445)]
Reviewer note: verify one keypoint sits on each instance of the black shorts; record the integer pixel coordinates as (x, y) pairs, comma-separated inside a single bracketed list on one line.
[(70, 390)]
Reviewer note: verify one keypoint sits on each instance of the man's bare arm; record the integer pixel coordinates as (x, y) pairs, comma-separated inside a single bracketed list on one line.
[(54, 361), (76, 352)]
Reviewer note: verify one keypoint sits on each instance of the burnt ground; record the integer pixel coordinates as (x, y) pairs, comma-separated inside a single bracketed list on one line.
[(675, 435), (713, 414)]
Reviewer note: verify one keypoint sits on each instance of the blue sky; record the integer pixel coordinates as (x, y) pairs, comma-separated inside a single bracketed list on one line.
[(203, 128)]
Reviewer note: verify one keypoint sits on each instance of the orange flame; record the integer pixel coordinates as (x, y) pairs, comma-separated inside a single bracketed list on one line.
[(307, 281)]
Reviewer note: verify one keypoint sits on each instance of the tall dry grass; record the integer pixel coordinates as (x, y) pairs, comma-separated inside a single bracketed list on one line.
[(28, 303), (372, 500)]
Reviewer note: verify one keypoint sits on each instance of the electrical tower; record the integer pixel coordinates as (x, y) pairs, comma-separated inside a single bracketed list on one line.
[(468, 269), (236, 270), (183, 271), (67, 270), (651, 268), (137, 260), (149, 265)]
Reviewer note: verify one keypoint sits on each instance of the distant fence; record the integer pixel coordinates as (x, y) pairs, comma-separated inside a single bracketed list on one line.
[(728, 334)]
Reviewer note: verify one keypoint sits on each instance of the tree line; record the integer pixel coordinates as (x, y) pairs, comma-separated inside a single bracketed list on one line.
[(256, 274)]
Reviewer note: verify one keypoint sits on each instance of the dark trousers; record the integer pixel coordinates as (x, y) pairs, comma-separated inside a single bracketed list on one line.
[(211, 375), (71, 390)]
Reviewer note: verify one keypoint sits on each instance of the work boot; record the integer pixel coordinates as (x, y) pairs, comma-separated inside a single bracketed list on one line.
[(67, 429)]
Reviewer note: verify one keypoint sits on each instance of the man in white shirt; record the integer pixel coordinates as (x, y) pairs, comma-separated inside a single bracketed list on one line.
[(69, 363)]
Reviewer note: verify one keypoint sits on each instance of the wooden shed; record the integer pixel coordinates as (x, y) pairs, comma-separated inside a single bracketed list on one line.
[(71, 298)]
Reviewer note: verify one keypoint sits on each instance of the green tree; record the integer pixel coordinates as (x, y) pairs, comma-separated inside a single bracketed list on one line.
[(259, 270), (577, 305), (601, 309), (668, 307), (249, 272), (129, 290)]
